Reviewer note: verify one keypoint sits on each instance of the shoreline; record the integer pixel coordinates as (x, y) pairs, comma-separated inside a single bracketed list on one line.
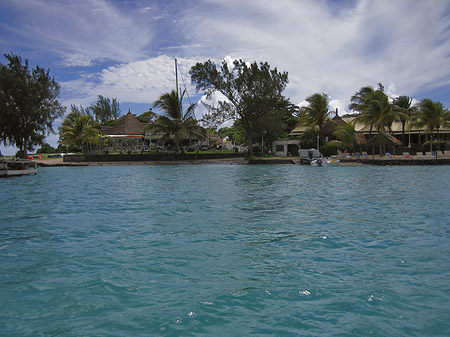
[(58, 162), (377, 160)]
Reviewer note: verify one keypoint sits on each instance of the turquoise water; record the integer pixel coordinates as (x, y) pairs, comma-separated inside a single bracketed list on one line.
[(226, 251)]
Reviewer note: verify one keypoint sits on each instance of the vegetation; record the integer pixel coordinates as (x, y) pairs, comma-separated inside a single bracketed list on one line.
[(175, 122), (105, 110), (251, 91), (405, 109), (432, 116), (375, 110), (147, 117), (78, 129), (46, 148), (28, 104), (347, 137), (316, 113)]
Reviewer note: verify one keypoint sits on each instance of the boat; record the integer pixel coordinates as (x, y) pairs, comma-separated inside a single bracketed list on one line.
[(308, 155), (17, 167), (322, 162)]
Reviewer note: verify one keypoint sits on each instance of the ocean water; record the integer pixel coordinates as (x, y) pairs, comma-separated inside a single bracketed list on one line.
[(218, 250)]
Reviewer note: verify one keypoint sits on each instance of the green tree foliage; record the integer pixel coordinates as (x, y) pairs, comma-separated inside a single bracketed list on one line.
[(359, 99), (147, 117), (375, 108), (46, 148), (315, 114), (78, 129), (432, 115), (235, 133), (277, 124), (105, 109), (346, 136), (403, 106), (251, 91), (28, 104), (175, 123)]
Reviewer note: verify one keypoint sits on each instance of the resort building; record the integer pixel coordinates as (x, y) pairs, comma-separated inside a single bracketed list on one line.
[(412, 137)]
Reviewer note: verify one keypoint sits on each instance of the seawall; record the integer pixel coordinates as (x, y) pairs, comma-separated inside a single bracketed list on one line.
[(148, 157)]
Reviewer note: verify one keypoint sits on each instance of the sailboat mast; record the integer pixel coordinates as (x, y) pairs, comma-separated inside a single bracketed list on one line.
[(176, 76)]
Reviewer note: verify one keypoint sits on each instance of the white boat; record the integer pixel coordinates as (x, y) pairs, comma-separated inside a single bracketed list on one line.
[(322, 162), (17, 167)]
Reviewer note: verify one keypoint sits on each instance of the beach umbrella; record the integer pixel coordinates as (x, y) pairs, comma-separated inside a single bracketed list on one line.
[(383, 139)]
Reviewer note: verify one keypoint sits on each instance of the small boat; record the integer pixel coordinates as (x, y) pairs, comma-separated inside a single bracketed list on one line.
[(322, 162), (17, 167)]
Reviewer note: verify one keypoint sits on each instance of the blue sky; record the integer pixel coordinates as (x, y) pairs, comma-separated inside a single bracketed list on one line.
[(125, 49)]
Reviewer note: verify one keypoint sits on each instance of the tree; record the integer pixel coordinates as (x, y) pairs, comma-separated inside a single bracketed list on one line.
[(147, 117), (235, 133), (359, 98), (46, 148), (316, 113), (251, 91), (402, 105), (432, 116), (78, 129), (105, 109), (375, 109), (174, 122), (361, 101), (28, 104), (347, 137)]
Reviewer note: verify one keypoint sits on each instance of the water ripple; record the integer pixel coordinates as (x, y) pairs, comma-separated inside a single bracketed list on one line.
[(225, 251)]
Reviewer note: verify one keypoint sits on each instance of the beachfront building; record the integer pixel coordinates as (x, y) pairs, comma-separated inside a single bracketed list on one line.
[(412, 138), (286, 148), (126, 136)]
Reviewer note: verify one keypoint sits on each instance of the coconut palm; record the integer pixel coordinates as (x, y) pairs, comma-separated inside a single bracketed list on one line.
[(359, 99), (174, 122), (403, 106), (432, 116), (347, 137), (315, 114), (377, 112), (78, 129)]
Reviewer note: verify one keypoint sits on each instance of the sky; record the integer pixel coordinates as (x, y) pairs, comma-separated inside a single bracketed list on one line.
[(126, 49)]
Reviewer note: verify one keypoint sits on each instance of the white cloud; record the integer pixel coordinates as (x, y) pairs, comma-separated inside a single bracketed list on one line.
[(397, 42), (138, 82), (82, 32)]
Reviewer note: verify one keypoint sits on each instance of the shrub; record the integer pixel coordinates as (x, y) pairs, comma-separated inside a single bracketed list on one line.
[(329, 149)]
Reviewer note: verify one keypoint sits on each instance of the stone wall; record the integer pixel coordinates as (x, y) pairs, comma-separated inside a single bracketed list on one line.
[(90, 158)]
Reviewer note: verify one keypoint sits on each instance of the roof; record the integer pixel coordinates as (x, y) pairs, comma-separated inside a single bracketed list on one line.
[(396, 127), (127, 125), (384, 138)]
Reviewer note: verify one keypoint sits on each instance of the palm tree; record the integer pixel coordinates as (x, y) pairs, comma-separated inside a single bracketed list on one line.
[(78, 129), (405, 110), (359, 98), (432, 116), (377, 111), (174, 122), (315, 114), (347, 136)]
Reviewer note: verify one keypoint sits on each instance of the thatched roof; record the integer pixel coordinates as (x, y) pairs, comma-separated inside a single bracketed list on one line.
[(384, 138), (360, 139), (127, 125)]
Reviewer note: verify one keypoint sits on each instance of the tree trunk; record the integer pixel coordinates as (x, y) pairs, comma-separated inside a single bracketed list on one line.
[(24, 151), (403, 134), (250, 144), (431, 142)]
